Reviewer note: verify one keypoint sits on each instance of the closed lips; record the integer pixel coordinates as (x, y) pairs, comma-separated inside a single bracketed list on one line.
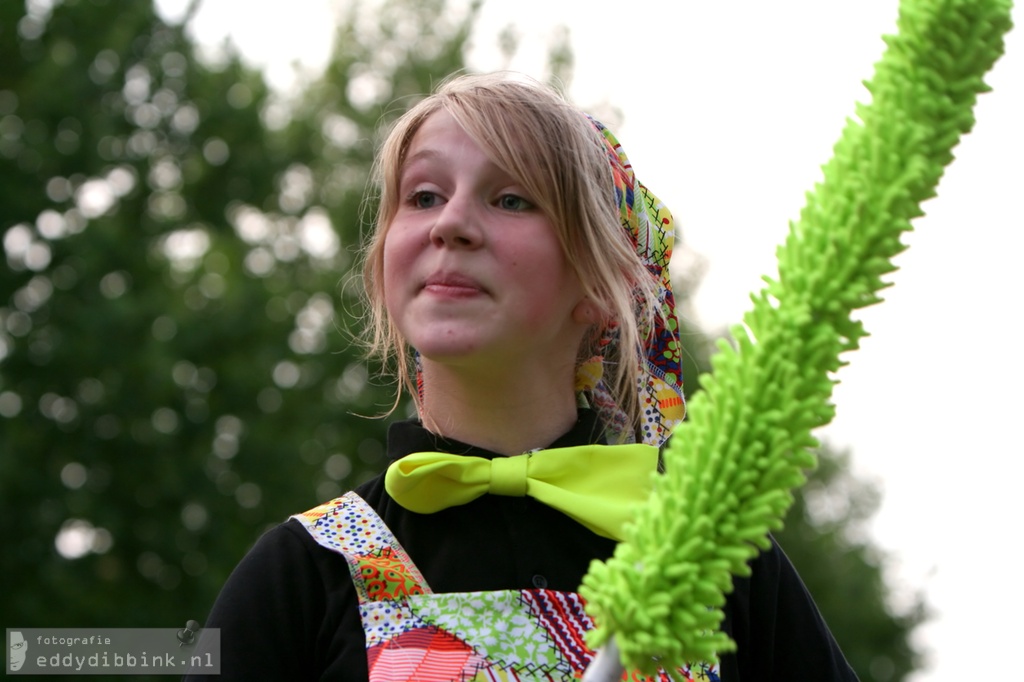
[(452, 282)]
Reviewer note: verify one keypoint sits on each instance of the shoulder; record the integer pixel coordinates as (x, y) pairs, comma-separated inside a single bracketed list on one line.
[(777, 627), (284, 574), (284, 551), (280, 608)]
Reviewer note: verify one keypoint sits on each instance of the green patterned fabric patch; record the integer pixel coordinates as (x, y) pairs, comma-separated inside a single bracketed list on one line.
[(497, 624)]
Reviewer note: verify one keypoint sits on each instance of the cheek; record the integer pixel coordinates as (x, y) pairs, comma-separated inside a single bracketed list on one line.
[(397, 271), (390, 284), (401, 246), (392, 258), (550, 268), (553, 286), (390, 271)]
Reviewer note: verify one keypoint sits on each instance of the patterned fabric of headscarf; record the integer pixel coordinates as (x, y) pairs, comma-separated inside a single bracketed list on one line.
[(651, 230)]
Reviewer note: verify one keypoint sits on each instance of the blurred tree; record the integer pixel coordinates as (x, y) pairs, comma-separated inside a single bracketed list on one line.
[(177, 370), (825, 533), (172, 379), (826, 539)]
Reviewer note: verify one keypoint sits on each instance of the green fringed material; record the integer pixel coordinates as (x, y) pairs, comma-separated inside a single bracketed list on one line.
[(732, 467)]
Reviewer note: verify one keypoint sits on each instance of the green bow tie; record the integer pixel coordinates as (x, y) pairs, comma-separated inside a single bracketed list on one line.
[(597, 485)]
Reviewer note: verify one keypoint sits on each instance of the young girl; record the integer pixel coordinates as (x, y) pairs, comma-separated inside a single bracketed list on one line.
[(518, 276)]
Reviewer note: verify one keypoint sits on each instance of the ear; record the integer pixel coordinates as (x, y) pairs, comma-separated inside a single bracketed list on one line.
[(587, 312)]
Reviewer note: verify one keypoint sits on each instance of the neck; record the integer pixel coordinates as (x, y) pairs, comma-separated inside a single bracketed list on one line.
[(509, 415)]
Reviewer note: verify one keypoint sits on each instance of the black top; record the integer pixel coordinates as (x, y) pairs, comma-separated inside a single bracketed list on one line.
[(289, 610)]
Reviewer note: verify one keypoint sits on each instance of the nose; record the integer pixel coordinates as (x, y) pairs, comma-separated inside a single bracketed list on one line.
[(457, 224)]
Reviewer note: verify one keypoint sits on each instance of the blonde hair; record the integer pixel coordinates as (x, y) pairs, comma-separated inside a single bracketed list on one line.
[(556, 154)]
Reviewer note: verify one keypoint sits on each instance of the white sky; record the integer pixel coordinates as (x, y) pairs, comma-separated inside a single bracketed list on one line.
[(730, 109)]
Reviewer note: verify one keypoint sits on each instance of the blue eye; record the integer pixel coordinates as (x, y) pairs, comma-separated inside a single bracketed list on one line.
[(424, 199), (510, 202)]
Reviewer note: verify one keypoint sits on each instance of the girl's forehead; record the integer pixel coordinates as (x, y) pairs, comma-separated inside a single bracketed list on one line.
[(441, 139), (438, 129)]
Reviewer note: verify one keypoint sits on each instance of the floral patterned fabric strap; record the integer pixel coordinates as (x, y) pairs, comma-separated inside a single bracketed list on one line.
[(414, 635), (380, 567)]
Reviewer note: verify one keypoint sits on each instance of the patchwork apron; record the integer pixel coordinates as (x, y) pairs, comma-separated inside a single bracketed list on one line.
[(416, 635)]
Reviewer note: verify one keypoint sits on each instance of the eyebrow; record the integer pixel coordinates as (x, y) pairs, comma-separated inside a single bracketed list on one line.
[(423, 154)]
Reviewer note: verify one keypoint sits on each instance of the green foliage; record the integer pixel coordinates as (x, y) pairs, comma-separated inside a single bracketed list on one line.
[(177, 370), (824, 537), (731, 467)]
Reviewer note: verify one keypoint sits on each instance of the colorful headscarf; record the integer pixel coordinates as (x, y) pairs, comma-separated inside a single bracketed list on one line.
[(651, 230)]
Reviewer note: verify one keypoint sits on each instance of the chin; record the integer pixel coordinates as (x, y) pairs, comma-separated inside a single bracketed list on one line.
[(446, 353), (447, 342)]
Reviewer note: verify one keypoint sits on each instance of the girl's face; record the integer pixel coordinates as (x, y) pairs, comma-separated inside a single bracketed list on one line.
[(473, 271)]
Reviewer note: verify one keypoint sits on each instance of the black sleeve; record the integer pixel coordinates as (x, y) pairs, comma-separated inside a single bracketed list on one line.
[(779, 633), (272, 611)]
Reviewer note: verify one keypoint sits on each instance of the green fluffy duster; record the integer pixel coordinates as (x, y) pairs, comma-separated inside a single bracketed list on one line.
[(732, 467)]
